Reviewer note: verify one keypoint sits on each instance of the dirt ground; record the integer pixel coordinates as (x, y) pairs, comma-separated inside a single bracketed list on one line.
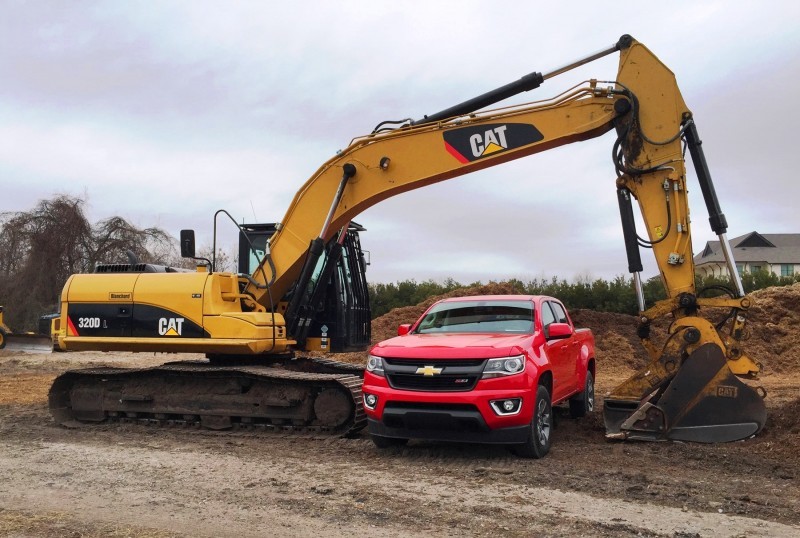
[(157, 482)]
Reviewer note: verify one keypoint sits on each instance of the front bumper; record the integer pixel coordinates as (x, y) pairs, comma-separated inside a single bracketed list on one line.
[(463, 416), (460, 425)]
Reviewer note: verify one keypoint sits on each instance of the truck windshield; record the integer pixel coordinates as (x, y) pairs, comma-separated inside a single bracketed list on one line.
[(479, 317)]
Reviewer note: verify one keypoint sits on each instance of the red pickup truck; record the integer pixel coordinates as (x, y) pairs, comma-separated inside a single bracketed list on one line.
[(484, 369)]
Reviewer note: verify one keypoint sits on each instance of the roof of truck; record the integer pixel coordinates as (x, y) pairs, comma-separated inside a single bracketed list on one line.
[(496, 298)]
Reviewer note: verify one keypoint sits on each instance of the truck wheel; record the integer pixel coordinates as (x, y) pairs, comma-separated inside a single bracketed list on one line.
[(583, 402), (2, 338), (538, 444), (387, 442)]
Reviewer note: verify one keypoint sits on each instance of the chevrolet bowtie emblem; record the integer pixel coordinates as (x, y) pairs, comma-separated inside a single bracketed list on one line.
[(429, 370)]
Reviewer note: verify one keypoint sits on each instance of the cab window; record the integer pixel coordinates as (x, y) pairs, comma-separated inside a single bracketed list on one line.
[(547, 314), (478, 317), (559, 312)]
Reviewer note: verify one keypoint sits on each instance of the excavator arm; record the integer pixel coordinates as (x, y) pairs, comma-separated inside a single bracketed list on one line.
[(689, 390)]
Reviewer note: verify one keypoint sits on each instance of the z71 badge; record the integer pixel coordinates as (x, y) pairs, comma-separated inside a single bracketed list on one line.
[(472, 143)]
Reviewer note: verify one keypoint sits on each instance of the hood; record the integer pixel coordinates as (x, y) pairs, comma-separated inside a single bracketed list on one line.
[(453, 346)]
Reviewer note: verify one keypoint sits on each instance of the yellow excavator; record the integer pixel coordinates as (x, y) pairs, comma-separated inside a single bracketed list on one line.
[(305, 289)]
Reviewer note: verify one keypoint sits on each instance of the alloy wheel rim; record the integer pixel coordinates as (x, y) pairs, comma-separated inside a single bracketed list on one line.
[(543, 422)]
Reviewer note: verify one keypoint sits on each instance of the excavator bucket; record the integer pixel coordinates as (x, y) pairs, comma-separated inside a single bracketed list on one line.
[(704, 402)]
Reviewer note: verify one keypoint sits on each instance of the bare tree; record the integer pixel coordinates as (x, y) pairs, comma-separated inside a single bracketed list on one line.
[(113, 237), (224, 261), (41, 248)]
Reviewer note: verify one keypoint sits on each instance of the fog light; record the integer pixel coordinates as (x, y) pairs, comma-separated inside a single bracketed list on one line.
[(510, 406), (370, 400)]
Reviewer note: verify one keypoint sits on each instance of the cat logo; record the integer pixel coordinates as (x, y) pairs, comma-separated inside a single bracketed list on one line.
[(429, 370), (725, 391), (472, 143), (170, 326), (492, 141)]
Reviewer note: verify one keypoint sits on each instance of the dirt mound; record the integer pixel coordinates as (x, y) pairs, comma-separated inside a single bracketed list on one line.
[(773, 324), (780, 438), (786, 417), (616, 342)]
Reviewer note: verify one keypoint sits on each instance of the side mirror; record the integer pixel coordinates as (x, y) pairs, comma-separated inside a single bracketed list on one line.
[(558, 330), (187, 243), (403, 329)]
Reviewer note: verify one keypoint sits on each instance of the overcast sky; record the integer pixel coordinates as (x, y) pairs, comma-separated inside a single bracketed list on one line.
[(164, 112)]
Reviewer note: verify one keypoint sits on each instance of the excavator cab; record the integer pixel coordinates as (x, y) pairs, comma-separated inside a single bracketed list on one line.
[(336, 303)]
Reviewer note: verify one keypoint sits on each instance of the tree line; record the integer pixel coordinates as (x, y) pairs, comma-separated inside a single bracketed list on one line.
[(615, 295)]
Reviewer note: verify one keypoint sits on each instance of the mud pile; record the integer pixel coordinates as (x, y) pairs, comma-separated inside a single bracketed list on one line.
[(780, 438), (787, 417), (616, 342), (774, 327)]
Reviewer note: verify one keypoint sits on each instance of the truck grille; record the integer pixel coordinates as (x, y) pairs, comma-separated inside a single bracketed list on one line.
[(458, 375)]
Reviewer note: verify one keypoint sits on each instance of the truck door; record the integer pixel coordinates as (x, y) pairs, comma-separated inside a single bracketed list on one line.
[(559, 351)]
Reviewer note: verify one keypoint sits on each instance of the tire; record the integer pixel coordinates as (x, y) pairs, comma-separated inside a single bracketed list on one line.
[(538, 443), (387, 442), (583, 403), (2, 338)]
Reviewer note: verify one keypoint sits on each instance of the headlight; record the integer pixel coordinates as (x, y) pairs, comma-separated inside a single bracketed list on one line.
[(375, 365), (504, 366)]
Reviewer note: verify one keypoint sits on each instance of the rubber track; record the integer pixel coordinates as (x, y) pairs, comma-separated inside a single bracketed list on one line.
[(350, 381)]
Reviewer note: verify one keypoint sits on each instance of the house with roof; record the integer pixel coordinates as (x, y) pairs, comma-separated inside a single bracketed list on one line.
[(753, 252)]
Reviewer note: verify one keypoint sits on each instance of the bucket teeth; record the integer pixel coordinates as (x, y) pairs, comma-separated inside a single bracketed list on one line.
[(704, 402)]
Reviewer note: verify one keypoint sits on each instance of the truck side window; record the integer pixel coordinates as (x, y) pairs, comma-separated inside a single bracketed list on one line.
[(547, 314), (560, 313)]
